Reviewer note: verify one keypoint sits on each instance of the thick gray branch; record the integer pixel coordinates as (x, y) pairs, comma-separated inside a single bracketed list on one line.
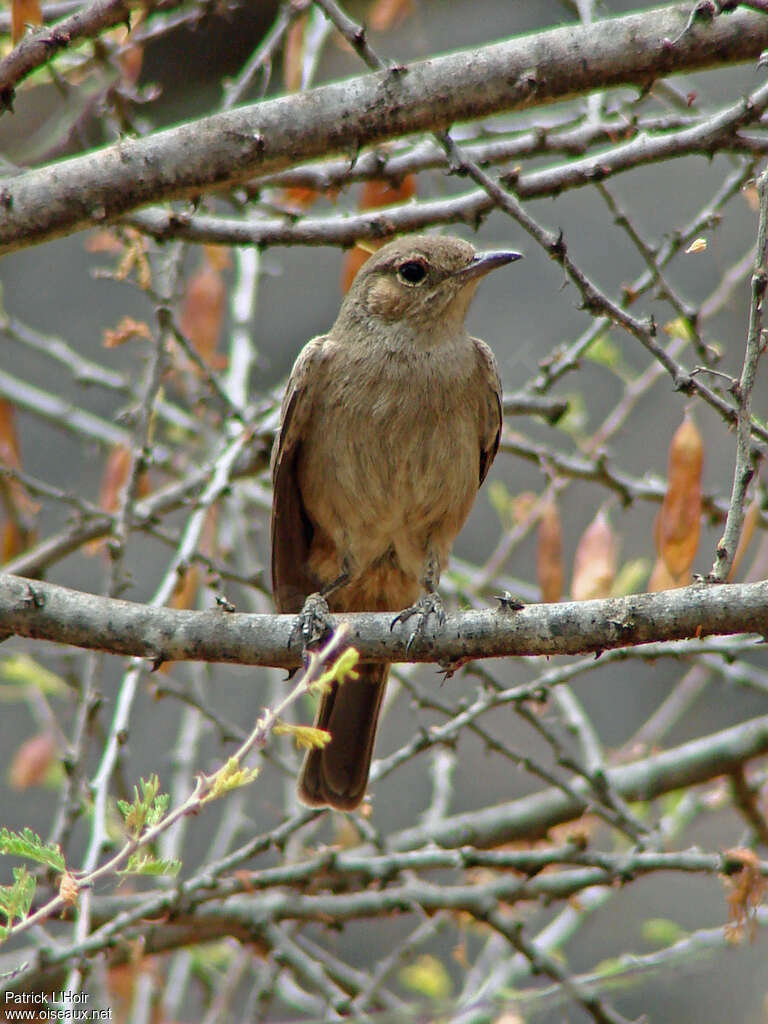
[(235, 146), (45, 611)]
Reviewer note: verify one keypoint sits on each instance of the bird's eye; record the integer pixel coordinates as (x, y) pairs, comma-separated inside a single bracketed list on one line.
[(412, 272)]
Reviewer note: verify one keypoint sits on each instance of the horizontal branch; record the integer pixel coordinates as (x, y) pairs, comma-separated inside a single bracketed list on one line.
[(447, 844), (45, 611), (230, 148), (530, 817)]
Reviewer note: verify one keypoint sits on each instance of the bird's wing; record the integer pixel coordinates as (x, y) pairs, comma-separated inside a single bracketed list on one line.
[(490, 407), (291, 527)]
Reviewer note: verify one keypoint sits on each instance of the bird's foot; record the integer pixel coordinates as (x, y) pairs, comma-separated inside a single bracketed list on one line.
[(313, 623), (429, 604)]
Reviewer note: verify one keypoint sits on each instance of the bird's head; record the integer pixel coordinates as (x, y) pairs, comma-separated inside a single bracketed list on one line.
[(419, 287)]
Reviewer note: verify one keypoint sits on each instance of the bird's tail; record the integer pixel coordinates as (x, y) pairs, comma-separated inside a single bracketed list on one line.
[(337, 775)]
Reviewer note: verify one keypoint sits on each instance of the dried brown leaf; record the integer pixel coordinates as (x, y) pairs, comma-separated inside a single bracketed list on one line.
[(679, 519), (375, 193), (23, 14), (127, 330), (595, 561), (293, 54), (387, 14), (202, 312), (745, 891), (549, 554), (19, 508), (10, 451), (751, 519), (31, 762), (662, 579), (113, 481), (103, 240)]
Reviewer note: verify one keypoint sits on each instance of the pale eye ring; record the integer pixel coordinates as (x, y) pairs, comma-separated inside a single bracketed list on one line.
[(412, 272)]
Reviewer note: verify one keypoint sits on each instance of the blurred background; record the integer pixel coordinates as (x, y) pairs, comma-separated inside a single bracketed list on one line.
[(61, 290)]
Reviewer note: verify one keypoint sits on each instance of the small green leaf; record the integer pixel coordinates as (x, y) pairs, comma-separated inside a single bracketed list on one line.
[(428, 977), (229, 776), (146, 810), (28, 844), (340, 671), (146, 864), (660, 931), (21, 671), (681, 328), (574, 421), (605, 352), (307, 736), (501, 502), (612, 965), (16, 899)]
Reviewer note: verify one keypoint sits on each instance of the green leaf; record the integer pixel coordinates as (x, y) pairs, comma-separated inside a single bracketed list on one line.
[(575, 419), (28, 844), (605, 352), (307, 736), (341, 670), (229, 776), (21, 672), (146, 864), (502, 502), (428, 977), (681, 328), (660, 931), (16, 899), (612, 965), (146, 810)]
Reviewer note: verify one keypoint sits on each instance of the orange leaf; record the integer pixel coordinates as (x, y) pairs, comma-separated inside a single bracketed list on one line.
[(679, 519), (751, 517), (300, 197), (354, 258), (17, 533), (293, 55), (14, 539), (103, 240), (32, 760), (384, 14), (24, 13), (595, 561), (375, 193), (130, 60), (746, 889), (185, 592), (379, 192), (549, 554), (662, 579), (202, 311), (115, 477), (113, 482), (10, 453)]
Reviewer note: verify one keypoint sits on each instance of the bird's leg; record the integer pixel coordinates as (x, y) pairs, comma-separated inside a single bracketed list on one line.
[(430, 603), (314, 619)]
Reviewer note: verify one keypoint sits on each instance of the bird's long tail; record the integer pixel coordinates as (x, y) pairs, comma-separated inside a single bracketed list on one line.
[(337, 775)]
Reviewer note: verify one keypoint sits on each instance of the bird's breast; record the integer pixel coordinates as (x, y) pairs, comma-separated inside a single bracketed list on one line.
[(394, 447)]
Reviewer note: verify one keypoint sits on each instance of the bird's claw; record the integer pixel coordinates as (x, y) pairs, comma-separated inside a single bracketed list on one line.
[(428, 604), (313, 623)]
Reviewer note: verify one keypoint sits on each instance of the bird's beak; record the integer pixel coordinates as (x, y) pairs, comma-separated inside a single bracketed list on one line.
[(485, 262)]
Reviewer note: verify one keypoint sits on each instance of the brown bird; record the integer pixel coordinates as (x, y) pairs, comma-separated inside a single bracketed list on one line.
[(389, 425)]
